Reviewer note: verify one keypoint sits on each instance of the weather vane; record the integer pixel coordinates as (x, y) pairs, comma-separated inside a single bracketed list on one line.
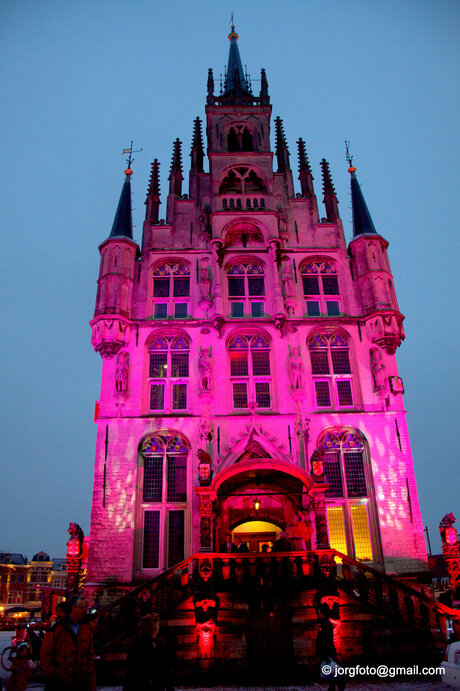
[(232, 23), (347, 153), (130, 153)]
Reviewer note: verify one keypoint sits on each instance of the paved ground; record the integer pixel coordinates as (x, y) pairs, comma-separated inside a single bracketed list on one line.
[(357, 685)]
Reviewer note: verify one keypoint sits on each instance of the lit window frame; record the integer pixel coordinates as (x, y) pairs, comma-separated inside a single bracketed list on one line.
[(172, 272), (323, 300), (343, 442), (164, 446), (246, 269)]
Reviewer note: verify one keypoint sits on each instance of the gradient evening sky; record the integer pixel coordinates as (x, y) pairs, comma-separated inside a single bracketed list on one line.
[(81, 79)]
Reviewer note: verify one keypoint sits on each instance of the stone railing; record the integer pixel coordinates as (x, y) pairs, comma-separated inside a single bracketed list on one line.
[(203, 575)]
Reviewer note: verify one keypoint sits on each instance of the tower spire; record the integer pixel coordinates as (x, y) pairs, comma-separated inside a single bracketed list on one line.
[(362, 220), (330, 197), (282, 151), (197, 152), (153, 194), (175, 175), (235, 80), (123, 222)]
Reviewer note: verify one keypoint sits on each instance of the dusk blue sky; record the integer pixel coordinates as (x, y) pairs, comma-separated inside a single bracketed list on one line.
[(81, 79)]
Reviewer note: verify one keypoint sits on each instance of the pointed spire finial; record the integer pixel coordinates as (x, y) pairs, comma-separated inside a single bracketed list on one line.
[(305, 174), (362, 220), (153, 194), (175, 174), (281, 147), (330, 197), (197, 152)]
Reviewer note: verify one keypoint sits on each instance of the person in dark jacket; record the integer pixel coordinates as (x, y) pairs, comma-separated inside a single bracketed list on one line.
[(325, 648), (146, 668), (67, 657)]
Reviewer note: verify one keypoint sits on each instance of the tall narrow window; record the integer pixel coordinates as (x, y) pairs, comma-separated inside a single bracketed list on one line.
[(321, 288), (331, 370), (168, 374), (246, 289), (250, 371), (347, 498), (171, 291), (164, 499)]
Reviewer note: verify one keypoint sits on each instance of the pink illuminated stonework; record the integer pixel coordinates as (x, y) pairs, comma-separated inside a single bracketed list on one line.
[(249, 372)]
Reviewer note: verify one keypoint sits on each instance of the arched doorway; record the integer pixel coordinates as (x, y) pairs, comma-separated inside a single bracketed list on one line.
[(258, 498), (257, 534)]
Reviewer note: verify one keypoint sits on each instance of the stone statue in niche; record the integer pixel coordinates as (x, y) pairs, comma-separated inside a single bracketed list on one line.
[(378, 373), (205, 368), (204, 219), (204, 285), (122, 372), (282, 220), (295, 366), (288, 280)]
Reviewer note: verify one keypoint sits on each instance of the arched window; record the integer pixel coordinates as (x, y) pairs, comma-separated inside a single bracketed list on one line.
[(331, 371), (239, 138), (168, 373), (321, 288), (232, 140), (246, 289), (171, 290), (347, 498), (250, 371), (241, 185), (164, 497)]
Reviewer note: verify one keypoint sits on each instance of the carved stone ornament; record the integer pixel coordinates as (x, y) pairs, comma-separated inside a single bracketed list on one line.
[(295, 368), (205, 369), (109, 335), (386, 330)]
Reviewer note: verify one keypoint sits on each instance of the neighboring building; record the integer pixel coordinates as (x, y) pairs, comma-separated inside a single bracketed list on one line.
[(23, 582), (241, 339)]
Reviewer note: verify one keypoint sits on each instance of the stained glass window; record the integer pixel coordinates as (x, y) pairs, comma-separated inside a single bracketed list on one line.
[(250, 371), (169, 362), (330, 357), (320, 283)]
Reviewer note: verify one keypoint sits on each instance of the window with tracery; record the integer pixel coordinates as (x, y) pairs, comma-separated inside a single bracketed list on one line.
[(239, 138), (250, 372), (171, 290), (246, 289), (331, 371), (321, 288), (168, 373), (243, 189), (164, 484), (347, 498)]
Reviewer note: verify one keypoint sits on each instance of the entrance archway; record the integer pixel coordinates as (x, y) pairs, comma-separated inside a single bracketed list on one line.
[(256, 534), (258, 498)]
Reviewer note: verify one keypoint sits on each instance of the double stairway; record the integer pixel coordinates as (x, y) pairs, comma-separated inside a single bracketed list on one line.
[(255, 616)]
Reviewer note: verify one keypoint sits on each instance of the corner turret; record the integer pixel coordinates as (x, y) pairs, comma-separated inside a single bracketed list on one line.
[(111, 325), (371, 271)]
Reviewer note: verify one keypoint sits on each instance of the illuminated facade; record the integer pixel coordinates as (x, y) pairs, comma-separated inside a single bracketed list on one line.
[(249, 366)]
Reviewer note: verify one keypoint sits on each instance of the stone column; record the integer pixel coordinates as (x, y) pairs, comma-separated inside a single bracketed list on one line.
[(273, 251), (217, 246), (206, 497)]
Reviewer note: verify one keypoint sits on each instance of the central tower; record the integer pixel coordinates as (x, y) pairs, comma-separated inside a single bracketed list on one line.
[(249, 373)]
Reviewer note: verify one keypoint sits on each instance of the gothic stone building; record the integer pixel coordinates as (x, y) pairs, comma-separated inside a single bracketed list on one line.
[(249, 367)]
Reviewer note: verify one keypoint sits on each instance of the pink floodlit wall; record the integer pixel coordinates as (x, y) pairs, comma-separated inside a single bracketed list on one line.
[(284, 403)]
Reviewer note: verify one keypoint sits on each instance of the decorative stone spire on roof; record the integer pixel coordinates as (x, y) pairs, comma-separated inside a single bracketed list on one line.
[(210, 97), (281, 148), (264, 98), (362, 220), (330, 197), (175, 175), (235, 78), (197, 152), (153, 193), (305, 174)]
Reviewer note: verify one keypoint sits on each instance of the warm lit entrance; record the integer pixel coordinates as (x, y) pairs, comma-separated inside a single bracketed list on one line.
[(256, 534)]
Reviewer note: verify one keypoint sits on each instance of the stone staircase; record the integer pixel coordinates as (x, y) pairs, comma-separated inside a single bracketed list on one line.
[(255, 616)]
